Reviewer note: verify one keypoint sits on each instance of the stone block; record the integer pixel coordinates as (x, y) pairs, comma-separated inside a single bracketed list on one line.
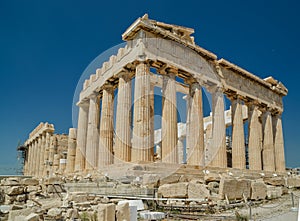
[(176, 190), (258, 190), (150, 179), (78, 197), (106, 212), (32, 217), (212, 177), (133, 203), (54, 213), (72, 214), (19, 218), (21, 198), (234, 189), (275, 181), (13, 181), (50, 203), (9, 199), (198, 191), (54, 188), (54, 180), (15, 190), (292, 182), (29, 189), (22, 212), (29, 182), (213, 187), (123, 212), (274, 192), (174, 178)]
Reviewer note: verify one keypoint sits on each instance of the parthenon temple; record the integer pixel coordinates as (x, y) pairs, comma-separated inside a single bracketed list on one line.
[(117, 107)]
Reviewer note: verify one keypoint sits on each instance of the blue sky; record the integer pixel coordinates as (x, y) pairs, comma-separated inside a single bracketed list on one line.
[(46, 45)]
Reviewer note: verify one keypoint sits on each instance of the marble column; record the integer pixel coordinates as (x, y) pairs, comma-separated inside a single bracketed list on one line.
[(51, 154), (268, 143), (92, 142), (278, 143), (71, 151), (238, 140), (152, 113), (46, 154), (42, 152), (254, 137), (34, 156), (195, 136), (158, 152), (142, 146), (38, 157), (169, 119), (217, 147), (180, 148), (122, 148), (56, 159), (106, 127), (30, 151), (81, 137)]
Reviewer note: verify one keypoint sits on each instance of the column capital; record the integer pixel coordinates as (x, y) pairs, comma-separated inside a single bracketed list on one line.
[(107, 86), (83, 103), (236, 96), (141, 61), (215, 89), (252, 102), (94, 96), (125, 74)]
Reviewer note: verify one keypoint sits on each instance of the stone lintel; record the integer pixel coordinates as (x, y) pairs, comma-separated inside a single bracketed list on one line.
[(266, 83), (41, 129)]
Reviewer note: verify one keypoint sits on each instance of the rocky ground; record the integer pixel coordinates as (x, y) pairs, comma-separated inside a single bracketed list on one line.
[(214, 196)]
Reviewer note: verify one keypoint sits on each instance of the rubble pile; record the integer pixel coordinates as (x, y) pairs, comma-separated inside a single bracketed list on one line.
[(60, 198)]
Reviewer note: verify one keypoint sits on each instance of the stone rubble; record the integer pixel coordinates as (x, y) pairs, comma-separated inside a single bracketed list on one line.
[(51, 199)]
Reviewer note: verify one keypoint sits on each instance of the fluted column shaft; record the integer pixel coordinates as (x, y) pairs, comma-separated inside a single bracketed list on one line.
[(29, 161), (38, 156), (169, 120), (180, 147), (254, 138), (34, 156), (142, 146), (42, 152), (152, 113), (25, 168), (51, 154), (217, 147), (46, 153), (122, 146), (106, 127), (92, 141), (71, 151), (278, 144), (81, 137), (195, 136), (238, 140), (268, 143)]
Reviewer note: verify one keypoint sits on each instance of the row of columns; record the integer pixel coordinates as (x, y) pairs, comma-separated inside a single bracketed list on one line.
[(40, 155), (265, 138), (95, 147)]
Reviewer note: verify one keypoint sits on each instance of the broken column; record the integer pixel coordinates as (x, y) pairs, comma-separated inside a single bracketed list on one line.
[(71, 151)]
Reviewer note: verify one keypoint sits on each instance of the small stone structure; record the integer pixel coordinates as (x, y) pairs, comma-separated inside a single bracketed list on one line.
[(165, 56)]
